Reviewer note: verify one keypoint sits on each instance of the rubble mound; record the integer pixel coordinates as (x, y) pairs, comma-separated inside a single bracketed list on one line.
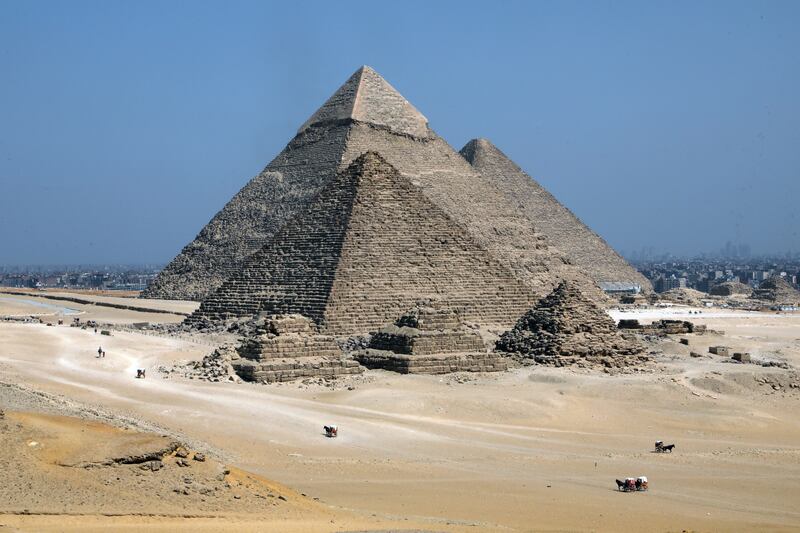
[(567, 328), (683, 296), (288, 347), (216, 366), (776, 289), (730, 288), (429, 339)]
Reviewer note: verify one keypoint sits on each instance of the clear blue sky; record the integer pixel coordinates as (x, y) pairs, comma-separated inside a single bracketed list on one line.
[(124, 126)]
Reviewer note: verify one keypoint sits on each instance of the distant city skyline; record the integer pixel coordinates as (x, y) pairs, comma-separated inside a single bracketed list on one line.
[(670, 127)]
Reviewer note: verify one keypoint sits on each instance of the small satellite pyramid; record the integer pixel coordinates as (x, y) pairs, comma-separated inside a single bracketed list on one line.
[(567, 327), (365, 114), (362, 253), (778, 290), (563, 229)]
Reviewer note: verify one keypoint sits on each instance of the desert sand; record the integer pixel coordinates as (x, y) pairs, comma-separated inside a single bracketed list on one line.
[(532, 449)]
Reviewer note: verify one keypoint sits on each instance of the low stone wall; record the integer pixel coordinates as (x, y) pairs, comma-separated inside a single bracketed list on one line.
[(84, 301), (406, 340), (432, 364), (292, 369)]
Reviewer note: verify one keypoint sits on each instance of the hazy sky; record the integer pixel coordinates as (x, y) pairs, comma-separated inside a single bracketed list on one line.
[(125, 126)]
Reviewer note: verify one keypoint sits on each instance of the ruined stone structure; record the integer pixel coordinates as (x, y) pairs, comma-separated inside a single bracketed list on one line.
[(365, 114), (563, 229), (566, 328), (288, 347), (366, 250), (429, 339), (662, 328), (777, 290), (729, 288)]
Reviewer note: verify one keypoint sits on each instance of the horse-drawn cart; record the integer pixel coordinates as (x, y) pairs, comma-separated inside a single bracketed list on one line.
[(662, 448), (630, 484)]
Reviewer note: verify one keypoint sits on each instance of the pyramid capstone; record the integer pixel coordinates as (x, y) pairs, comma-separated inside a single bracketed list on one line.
[(367, 97)]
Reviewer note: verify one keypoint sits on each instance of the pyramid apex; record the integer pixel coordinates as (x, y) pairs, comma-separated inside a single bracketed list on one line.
[(370, 162), (367, 97), (369, 156), (480, 142), (473, 148)]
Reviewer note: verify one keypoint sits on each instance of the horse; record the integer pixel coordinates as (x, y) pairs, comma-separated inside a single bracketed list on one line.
[(667, 448), (620, 484)]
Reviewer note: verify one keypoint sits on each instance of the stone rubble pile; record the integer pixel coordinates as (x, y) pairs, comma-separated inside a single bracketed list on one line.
[(663, 327), (568, 328), (216, 366)]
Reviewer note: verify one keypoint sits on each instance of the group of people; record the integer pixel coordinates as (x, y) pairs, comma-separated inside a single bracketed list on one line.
[(101, 352)]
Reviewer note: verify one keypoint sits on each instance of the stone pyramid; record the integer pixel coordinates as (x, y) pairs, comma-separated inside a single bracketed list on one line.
[(564, 230), (778, 290), (729, 288), (429, 339), (369, 247), (287, 347), (365, 114), (566, 327)]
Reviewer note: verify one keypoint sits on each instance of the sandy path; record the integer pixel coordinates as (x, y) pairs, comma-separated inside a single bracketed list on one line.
[(527, 449), (35, 303), (181, 306)]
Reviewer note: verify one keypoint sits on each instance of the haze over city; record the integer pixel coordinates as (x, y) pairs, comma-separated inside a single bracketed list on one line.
[(127, 127)]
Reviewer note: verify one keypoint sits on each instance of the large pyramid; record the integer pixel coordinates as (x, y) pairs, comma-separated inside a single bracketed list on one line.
[(563, 229), (369, 247), (365, 114)]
